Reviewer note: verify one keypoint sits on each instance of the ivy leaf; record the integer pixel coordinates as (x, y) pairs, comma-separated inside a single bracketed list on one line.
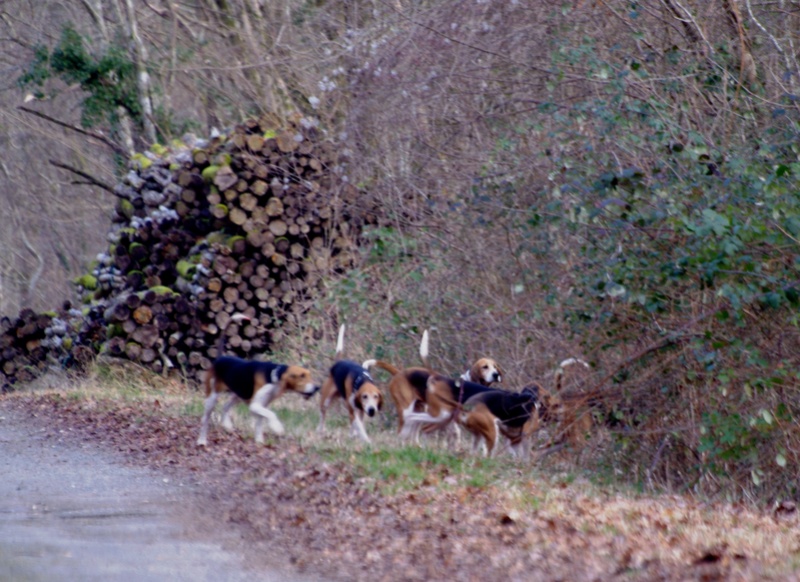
[(718, 223), (615, 290), (780, 459)]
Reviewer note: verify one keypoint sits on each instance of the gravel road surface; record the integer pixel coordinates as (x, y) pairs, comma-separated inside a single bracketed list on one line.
[(72, 513)]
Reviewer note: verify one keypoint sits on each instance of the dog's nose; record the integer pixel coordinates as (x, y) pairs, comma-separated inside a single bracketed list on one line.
[(371, 411)]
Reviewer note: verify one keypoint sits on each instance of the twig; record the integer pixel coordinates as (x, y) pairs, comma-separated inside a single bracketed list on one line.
[(671, 338), (93, 134), (34, 279), (549, 450), (91, 180), (656, 459)]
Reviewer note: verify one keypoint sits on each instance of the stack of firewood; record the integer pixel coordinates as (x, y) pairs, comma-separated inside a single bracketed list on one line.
[(248, 222), (30, 342), (22, 355)]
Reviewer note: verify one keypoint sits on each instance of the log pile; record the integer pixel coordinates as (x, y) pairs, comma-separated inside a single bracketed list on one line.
[(249, 222), (32, 341), (22, 355)]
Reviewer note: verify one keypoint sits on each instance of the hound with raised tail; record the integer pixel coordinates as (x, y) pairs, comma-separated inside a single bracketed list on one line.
[(570, 412), (408, 387), (352, 383), (256, 383)]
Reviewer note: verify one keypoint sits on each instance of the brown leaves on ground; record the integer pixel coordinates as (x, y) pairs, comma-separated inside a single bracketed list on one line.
[(324, 519)]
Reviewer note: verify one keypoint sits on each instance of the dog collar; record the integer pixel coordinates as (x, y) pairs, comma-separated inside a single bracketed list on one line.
[(277, 372), (360, 379)]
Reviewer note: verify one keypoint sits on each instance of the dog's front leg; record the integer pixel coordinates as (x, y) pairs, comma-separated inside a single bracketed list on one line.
[(258, 407), (357, 428)]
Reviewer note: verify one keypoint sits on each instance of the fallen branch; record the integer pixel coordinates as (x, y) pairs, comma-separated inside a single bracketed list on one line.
[(90, 180), (92, 134)]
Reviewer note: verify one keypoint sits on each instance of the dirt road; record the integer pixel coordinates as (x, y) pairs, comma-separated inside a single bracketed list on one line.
[(69, 512)]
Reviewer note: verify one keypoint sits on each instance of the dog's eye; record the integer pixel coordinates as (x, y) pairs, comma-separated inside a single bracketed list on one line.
[(485, 367)]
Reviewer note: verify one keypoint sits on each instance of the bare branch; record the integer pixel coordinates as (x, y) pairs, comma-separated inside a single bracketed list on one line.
[(92, 134), (88, 177)]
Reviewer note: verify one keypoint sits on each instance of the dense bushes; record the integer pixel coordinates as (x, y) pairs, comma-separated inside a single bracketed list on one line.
[(591, 182)]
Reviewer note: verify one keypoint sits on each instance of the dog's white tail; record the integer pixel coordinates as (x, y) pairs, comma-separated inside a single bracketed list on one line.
[(571, 361), (340, 343), (235, 318), (423, 348), (564, 364)]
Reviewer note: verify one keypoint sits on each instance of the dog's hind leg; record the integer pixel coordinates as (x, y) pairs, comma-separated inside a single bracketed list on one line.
[(476, 443), (411, 426), (227, 423), (453, 437), (492, 438), (208, 406), (325, 403)]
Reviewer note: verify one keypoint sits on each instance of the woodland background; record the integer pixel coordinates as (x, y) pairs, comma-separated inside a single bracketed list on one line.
[(612, 180)]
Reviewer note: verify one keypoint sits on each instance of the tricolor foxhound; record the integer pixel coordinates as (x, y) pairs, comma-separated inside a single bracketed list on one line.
[(353, 383), (256, 383)]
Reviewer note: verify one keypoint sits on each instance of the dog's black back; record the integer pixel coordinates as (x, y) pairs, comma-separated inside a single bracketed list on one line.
[(463, 390), (344, 369), (512, 409), (238, 374)]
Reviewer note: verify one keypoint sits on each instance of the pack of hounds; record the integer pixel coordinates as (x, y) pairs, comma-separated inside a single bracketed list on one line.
[(426, 401)]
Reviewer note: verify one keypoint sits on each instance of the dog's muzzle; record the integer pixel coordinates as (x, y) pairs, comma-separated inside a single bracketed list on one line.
[(314, 390), (371, 412)]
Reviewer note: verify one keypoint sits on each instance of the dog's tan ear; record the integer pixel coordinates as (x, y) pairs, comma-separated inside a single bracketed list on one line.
[(475, 370), (380, 400), (500, 370), (357, 401)]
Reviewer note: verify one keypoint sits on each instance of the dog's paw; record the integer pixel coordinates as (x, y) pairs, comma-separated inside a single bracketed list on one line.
[(276, 427)]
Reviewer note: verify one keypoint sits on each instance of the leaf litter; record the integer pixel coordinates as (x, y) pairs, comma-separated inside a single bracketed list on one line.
[(324, 517)]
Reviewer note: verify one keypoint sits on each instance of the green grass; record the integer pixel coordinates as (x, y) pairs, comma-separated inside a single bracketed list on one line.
[(193, 408), (303, 420), (409, 467), (529, 502)]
